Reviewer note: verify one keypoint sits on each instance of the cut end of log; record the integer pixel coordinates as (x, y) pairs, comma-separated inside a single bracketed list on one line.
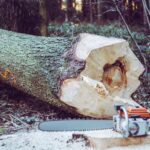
[(111, 70)]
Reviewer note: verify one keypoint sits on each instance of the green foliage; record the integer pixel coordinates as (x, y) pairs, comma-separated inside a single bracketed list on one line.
[(64, 29), (113, 29), (2, 131)]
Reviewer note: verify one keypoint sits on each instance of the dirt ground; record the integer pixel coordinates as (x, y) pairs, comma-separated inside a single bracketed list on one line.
[(19, 111)]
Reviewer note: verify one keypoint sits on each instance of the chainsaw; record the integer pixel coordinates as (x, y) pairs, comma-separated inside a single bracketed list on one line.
[(129, 121)]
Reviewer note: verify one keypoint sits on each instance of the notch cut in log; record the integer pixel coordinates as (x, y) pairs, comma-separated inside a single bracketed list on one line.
[(82, 75)]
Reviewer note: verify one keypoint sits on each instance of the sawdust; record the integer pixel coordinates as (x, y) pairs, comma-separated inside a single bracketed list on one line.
[(38, 140)]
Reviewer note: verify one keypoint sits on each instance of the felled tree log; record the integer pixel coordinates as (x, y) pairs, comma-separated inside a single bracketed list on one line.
[(82, 75)]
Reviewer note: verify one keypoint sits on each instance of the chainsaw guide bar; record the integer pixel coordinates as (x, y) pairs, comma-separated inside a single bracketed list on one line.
[(130, 121), (75, 125)]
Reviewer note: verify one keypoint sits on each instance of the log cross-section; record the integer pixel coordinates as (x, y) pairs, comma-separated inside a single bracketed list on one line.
[(82, 75)]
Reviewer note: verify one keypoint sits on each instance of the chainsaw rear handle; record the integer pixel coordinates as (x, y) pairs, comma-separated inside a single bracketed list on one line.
[(125, 124), (118, 106), (121, 120)]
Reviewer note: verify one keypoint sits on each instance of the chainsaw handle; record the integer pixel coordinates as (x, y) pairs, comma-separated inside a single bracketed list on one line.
[(126, 122)]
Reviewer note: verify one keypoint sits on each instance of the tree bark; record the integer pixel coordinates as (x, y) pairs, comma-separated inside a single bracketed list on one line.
[(81, 75)]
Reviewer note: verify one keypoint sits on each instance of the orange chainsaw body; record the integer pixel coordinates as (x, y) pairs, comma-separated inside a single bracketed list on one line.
[(141, 111)]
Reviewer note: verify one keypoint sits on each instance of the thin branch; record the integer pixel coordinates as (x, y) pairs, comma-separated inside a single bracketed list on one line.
[(110, 10), (145, 12), (104, 1), (16, 118), (148, 11), (129, 31), (13, 123)]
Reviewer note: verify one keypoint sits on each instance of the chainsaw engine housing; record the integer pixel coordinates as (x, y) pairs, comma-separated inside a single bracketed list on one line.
[(134, 125)]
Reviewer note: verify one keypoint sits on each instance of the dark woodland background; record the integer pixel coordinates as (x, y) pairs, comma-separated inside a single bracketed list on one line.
[(27, 16)]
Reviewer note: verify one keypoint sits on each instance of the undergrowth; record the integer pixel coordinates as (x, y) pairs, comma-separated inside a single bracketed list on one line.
[(113, 29)]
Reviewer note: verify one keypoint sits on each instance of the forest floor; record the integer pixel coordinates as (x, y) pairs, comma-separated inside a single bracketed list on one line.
[(38, 140), (19, 119), (21, 112)]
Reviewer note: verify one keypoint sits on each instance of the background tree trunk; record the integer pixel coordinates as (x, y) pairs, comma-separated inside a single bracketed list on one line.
[(54, 10), (83, 75), (70, 9), (24, 16), (85, 10), (99, 11), (91, 10), (44, 18)]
